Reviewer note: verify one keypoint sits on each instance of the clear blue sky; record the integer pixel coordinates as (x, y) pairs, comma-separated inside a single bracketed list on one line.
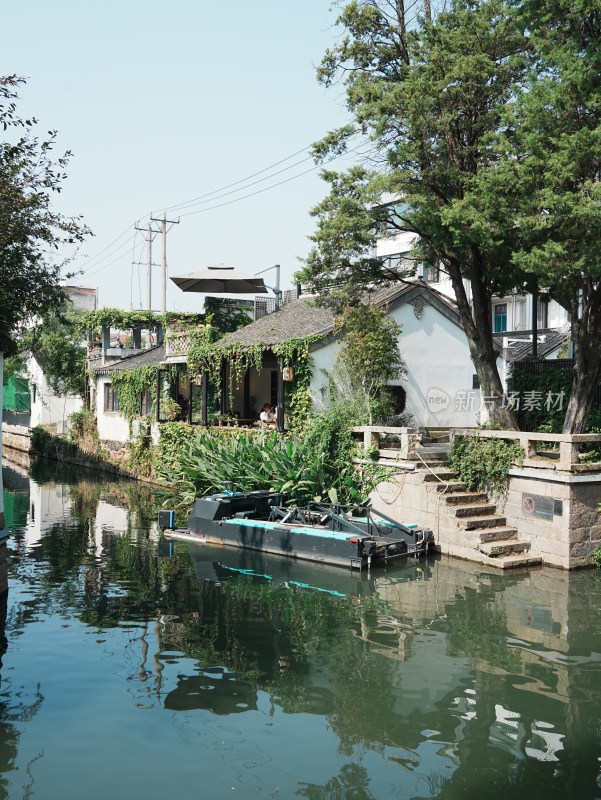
[(165, 102)]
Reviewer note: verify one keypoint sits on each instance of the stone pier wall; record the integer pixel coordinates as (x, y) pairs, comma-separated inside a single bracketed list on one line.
[(557, 512)]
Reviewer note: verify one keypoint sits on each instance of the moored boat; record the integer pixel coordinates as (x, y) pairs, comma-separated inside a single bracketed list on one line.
[(354, 537)]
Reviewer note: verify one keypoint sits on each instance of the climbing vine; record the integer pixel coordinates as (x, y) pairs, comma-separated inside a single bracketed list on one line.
[(484, 464), (207, 353), (94, 321), (131, 384), (295, 352)]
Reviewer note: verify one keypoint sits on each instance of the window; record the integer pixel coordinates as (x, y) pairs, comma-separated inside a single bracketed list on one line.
[(146, 404), (395, 213), (542, 313), (397, 261), (520, 314), (500, 318), (111, 398), (431, 274)]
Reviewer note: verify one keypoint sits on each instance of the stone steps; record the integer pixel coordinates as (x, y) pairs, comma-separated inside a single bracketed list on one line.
[(440, 475), (465, 498), (475, 514), (450, 487), (512, 562), (475, 509), (477, 522), (504, 547), (501, 532)]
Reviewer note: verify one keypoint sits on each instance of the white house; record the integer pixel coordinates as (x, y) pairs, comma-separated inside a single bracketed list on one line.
[(46, 407), (439, 390), (512, 314), (112, 425)]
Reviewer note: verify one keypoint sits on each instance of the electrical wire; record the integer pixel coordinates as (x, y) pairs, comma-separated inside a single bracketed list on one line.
[(272, 186), (214, 195), (241, 180)]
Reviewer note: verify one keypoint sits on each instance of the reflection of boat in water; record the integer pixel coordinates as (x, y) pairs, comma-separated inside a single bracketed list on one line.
[(218, 564), (342, 535)]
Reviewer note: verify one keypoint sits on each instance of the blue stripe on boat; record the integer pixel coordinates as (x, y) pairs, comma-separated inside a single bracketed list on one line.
[(324, 534)]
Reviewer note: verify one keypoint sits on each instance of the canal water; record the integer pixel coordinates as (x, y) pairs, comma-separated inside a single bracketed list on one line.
[(136, 667)]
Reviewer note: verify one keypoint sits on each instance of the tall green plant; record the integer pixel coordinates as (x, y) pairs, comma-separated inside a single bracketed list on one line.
[(247, 462), (370, 349)]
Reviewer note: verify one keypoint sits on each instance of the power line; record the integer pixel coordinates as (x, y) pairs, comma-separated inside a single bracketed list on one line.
[(273, 186), (214, 195), (242, 180)]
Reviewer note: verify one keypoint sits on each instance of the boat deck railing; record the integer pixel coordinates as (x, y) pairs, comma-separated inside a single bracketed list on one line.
[(352, 519)]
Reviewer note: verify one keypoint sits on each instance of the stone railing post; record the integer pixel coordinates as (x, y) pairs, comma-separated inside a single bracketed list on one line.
[(370, 439)]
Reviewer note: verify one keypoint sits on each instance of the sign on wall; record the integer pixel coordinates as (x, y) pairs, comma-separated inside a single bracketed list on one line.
[(537, 505)]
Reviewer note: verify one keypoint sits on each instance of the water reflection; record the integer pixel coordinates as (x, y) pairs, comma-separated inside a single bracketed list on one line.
[(437, 679)]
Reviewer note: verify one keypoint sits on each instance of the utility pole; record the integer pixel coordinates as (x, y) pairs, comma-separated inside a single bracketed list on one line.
[(164, 223), (150, 233)]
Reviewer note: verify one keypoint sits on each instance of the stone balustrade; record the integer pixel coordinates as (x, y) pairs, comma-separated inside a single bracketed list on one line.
[(561, 453), (405, 440)]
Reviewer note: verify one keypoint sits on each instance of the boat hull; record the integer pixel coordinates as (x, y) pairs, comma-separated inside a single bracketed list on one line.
[(246, 521)]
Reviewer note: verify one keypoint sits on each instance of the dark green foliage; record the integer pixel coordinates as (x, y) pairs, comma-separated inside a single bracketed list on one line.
[(432, 101), (60, 352), (330, 434), (554, 381), (225, 315), (174, 440), (483, 464), (370, 351), (548, 173), (32, 235)]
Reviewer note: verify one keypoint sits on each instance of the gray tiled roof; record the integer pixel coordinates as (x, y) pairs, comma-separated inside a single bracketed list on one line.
[(295, 320), (303, 317), (520, 343), (147, 358)]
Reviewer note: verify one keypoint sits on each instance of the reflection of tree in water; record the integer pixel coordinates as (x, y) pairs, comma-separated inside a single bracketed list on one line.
[(310, 652), (12, 714), (477, 628), (140, 499), (350, 784)]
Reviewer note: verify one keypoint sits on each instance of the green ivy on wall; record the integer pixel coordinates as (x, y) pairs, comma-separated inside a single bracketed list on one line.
[(299, 405), (207, 353), (131, 384)]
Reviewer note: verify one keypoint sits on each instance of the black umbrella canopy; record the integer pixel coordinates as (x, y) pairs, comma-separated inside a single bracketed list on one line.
[(220, 278)]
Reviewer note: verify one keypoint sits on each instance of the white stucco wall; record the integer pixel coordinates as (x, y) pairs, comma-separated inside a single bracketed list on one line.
[(322, 360), (48, 408), (49, 504), (112, 426), (439, 369)]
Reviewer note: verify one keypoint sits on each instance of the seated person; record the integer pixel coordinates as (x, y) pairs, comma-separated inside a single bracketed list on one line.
[(267, 416)]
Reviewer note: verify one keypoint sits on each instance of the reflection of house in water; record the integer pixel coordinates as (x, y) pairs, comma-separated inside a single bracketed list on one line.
[(486, 670), (36, 507)]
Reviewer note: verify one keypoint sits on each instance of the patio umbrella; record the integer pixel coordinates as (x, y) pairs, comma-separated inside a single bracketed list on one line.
[(220, 278)]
